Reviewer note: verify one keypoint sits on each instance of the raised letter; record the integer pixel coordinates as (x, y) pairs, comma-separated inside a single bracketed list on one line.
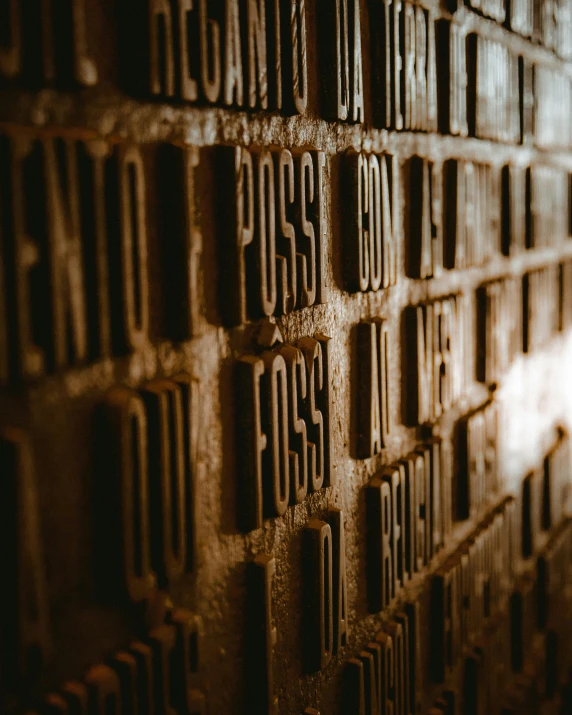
[(320, 632), (262, 634), (127, 441)]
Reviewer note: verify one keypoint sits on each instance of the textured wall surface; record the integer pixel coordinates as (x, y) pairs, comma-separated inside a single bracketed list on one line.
[(262, 261)]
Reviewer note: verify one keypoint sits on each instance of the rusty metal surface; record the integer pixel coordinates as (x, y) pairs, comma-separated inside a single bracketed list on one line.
[(183, 415)]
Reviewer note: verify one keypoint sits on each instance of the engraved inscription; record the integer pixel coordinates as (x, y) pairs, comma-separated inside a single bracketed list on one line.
[(436, 363), (469, 590), (374, 426), (381, 679), (526, 76), (493, 90), (81, 283), (283, 427), (514, 209), (371, 224), (244, 54), (162, 671), (344, 94), (24, 619), (151, 450), (547, 206), (272, 253), (565, 292), (477, 481), (320, 633), (407, 505), (388, 43), (552, 108), (48, 43), (182, 253), (521, 16), (232, 180), (472, 213), (405, 89), (452, 79), (262, 635), (335, 518), (553, 579), (540, 307), (499, 327), (326, 625), (425, 245), (419, 69)]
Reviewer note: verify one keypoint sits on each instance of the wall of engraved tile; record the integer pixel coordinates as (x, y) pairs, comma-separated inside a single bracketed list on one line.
[(285, 350)]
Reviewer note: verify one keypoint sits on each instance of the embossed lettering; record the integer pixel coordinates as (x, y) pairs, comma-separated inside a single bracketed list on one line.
[(374, 412), (320, 635)]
